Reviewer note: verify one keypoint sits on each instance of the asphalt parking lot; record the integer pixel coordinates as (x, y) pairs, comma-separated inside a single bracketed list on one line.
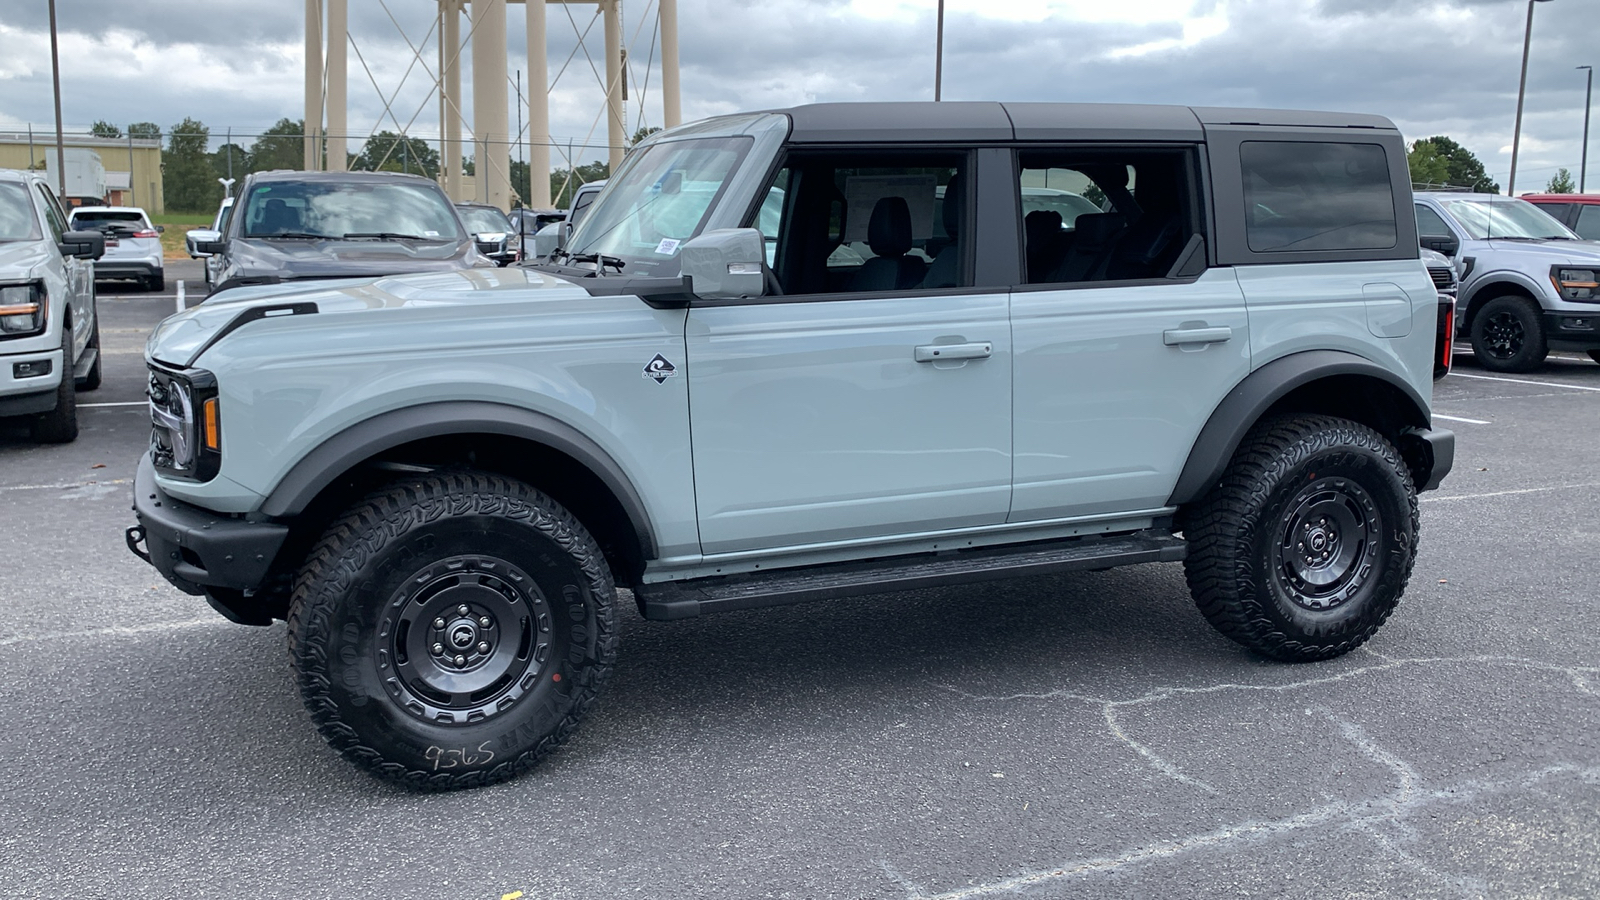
[(1083, 736)]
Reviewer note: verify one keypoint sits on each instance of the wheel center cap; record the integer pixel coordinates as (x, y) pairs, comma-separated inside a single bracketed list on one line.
[(1319, 541), (463, 634)]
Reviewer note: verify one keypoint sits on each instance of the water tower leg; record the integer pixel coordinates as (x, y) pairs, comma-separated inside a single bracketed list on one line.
[(538, 109), (672, 112), (451, 32), (313, 127), (614, 130), (338, 72), (490, 116)]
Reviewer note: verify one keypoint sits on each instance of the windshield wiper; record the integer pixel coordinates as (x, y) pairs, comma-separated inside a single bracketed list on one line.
[(390, 236), (600, 261), (289, 236)]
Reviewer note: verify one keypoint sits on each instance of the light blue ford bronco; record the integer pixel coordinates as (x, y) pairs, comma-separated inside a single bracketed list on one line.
[(810, 353)]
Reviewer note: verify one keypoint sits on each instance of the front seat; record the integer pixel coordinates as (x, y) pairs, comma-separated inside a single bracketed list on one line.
[(889, 236), (945, 270)]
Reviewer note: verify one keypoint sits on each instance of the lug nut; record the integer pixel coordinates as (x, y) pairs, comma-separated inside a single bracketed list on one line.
[(439, 624), (484, 622), (483, 647), (462, 609), (438, 649), (461, 660)]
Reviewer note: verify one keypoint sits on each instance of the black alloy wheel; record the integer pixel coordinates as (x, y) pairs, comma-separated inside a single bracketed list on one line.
[(1508, 335), (1303, 549)]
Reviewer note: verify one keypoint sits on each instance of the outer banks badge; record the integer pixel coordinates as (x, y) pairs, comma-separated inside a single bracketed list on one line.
[(659, 369)]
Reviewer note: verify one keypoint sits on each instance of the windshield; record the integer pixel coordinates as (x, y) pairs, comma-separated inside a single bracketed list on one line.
[(1507, 218), (17, 222), (481, 220), (659, 200), (337, 210)]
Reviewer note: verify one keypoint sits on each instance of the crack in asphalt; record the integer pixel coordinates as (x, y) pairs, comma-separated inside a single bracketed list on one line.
[(1387, 826)]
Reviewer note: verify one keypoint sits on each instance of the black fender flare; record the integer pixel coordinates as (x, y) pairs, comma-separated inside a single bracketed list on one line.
[(366, 439), (1252, 397)]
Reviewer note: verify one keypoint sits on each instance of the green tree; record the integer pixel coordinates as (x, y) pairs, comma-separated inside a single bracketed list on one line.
[(1561, 183), (149, 130), (1462, 168), (389, 152), (283, 146), (641, 134), (563, 182), (1427, 166), (102, 128), (187, 171)]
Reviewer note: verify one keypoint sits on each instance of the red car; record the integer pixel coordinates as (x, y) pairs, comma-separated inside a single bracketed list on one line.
[(1580, 212)]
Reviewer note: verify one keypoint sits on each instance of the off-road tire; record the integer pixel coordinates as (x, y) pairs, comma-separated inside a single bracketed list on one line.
[(91, 381), (1255, 586), (60, 425), (526, 564), (1508, 335)]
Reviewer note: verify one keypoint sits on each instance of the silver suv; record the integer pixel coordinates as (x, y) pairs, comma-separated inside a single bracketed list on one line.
[(49, 327), (1528, 283), (440, 481)]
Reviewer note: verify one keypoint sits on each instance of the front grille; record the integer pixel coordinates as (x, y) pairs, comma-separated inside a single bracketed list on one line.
[(1444, 278)]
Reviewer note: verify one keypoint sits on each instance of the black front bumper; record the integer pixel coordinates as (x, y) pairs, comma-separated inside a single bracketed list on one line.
[(1572, 331), (196, 549)]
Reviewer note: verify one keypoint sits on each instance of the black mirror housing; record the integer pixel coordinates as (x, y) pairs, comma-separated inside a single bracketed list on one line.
[(83, 244), (1441, 243), (211, 248)]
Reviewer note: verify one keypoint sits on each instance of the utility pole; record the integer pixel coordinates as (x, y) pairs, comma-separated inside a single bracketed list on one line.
[(55, 76), (1588, 95), (1522, 89)]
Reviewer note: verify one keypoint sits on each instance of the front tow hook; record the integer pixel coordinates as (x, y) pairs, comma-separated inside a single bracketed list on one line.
[(135, 537)]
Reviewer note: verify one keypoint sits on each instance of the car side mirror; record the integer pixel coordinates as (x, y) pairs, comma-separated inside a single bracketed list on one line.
[(725, 264), (161, 229), (198, 236), (1441, 243), (83, 244)]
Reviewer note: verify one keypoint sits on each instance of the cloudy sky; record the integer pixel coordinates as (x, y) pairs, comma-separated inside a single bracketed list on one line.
[(1433, 66)]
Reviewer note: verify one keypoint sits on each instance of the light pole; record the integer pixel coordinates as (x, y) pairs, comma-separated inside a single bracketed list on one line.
[(938, 55), (55, 76), (1522, 89), (1588, 94)]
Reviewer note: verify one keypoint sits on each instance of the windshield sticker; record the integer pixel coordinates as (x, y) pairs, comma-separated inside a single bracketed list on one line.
[(430, 234), (667, 247), (659, 369)]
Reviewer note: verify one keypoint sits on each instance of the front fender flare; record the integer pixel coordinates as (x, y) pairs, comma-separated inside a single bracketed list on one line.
[(366, 439), (1251, 398)]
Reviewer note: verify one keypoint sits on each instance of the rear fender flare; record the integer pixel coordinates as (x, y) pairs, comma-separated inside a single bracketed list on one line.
[(1251, 398)]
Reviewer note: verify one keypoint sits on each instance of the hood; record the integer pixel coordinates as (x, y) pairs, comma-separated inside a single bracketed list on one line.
[(1585, 253), (254, 258), (180, 339), (19, 259)]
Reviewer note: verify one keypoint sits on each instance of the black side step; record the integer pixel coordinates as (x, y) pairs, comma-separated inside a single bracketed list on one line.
[(687, 599)]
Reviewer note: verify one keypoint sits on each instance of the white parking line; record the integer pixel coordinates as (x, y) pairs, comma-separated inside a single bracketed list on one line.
[(1460, 419), (147, 403), (1559, 487), (1570, 387)]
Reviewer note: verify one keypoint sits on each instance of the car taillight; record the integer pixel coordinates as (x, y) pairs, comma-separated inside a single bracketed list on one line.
[(1444, 337), (146, 234)]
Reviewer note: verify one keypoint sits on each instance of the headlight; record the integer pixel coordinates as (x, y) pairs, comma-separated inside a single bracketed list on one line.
[(1576, 284), (186, 427), (23, 308)]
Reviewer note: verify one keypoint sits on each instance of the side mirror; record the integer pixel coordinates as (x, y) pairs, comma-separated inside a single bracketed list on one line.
[(83, 244), (198, 236), (1441, 243), (725, 264), (161, 229)]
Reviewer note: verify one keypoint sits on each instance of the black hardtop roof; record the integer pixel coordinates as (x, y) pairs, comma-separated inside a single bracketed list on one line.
[(993, 121)]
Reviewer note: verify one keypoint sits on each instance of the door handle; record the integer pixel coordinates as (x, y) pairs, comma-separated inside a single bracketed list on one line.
[(938, 352), (1174, 337)]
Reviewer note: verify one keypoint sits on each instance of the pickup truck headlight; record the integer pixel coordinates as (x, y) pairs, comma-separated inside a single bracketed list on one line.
[(185, 423), (1576, 284), (23, 308)]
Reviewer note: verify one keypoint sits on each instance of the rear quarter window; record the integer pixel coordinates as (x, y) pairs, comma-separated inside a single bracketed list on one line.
[(1313, 195)]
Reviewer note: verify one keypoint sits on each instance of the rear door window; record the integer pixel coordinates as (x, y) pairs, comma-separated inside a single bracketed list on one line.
[(1314, 195), (1430, 223), (1588, 224)]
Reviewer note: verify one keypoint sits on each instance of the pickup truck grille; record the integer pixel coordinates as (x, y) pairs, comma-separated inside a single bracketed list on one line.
[(1444, 277)]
